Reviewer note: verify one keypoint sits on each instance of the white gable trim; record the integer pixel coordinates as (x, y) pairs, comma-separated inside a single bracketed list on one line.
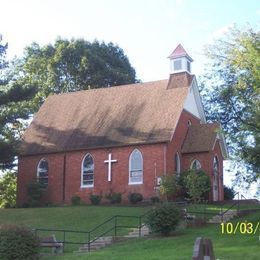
[(222, 144), (193, 102)]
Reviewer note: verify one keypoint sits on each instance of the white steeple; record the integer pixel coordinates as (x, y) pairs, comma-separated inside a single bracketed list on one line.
[(180, 61)]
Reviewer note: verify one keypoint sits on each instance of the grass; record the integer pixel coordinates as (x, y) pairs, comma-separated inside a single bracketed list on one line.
[(74, 218), (180, 246), (78, 218)]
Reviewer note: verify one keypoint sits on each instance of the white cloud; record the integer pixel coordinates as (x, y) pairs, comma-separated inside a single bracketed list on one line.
[(223, 30)]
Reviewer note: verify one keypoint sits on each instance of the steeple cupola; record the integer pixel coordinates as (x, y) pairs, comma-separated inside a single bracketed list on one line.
[(180, 61)]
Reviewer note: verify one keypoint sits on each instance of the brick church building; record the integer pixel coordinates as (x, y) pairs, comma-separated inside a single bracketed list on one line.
[(121, 139)]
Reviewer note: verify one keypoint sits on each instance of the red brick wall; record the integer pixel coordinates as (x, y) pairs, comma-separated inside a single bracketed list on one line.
[(178, 138), (27, 171), (206, 160), (153, 164), (158, 159)]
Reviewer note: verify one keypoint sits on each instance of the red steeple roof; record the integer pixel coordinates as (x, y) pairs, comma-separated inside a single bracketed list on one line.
[(179, 52)]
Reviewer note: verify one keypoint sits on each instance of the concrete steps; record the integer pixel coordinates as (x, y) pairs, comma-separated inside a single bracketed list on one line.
[(135, 232), (102, 242), (226, 217)]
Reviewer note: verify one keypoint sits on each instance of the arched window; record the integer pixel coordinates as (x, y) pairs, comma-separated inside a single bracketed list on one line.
[(42, 172), (195, 165), (136, 167), (215, 179), (215, 165), (87, 171), (177, 164)]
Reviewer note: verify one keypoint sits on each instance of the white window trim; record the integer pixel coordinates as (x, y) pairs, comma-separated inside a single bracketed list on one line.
[(42, 159), (193, 163), (81, 181), (129, 163), (216, 158), (178, 169)]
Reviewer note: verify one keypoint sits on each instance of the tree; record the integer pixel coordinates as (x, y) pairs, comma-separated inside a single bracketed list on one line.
[(8, 190), (63, 67), (229, 193), (74, 65), (197, 184), (14, 107), (231, 90)]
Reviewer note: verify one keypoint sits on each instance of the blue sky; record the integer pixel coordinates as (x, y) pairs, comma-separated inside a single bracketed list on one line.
[(147, 30)]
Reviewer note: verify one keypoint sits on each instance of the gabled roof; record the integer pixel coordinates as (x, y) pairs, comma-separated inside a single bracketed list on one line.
[(117, 116), (202, 138), (179, 52)]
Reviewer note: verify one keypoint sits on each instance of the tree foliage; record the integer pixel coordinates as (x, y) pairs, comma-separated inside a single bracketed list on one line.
[(8, 190), (64, 66), (197, 184), (229, 193), (231, 90), (169, 186), (14, 107), (72, 65)]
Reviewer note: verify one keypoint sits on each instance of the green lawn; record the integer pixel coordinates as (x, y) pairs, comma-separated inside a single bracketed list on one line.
[(80, 218), (179, 246)]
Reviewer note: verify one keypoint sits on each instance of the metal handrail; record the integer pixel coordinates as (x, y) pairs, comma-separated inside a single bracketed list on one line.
[(113, 219)]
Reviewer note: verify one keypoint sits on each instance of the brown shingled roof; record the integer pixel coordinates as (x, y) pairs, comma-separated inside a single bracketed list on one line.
[(200, 138), (108, 117)]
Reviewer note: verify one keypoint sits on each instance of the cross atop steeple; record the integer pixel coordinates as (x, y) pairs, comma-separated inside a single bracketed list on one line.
[(180, 60)]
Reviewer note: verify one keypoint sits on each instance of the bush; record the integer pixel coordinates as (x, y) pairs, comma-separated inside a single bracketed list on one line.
[(169, 186), (163, 219), (135, 197), (35, 191), (183, 194), (95, 199), (75, 200), (229, 193), (114, 197), (18, 242), (155, 199), (197, 184)]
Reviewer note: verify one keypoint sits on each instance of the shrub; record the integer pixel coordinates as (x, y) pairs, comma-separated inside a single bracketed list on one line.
[(163, 219), (114, 197), (95, 199), (18, 242), (75, 200), (169, 186), (182, 193), (155, 199), (135, 197), (197, 184), (35, 191), (229, 193)]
